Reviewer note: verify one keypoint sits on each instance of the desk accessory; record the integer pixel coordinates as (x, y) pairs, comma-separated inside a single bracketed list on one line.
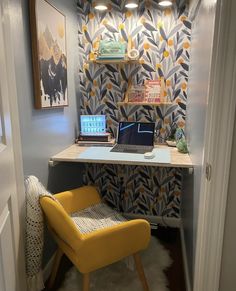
[(133, 54), (93, 128), (149, 155), (109, 49)]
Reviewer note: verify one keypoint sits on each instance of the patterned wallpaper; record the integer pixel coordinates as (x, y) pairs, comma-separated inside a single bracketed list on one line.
[(163, 40)]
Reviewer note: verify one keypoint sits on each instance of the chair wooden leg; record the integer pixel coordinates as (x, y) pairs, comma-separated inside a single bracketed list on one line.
[(140, 271), (55, 267), (86, 282)]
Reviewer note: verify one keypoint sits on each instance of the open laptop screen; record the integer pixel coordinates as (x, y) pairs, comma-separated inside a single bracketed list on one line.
[(136, 133)]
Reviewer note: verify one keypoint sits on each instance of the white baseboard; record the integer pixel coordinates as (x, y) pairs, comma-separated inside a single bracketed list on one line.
[(185, 261), (164, 221), (47, 269)]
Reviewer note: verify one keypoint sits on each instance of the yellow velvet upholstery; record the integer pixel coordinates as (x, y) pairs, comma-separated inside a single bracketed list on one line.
[(96, 249)]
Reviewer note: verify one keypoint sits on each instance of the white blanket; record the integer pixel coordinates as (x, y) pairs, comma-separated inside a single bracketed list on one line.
[(34, 233)]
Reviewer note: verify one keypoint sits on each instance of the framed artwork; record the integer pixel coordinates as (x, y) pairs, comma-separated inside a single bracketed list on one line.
[(48, 36)]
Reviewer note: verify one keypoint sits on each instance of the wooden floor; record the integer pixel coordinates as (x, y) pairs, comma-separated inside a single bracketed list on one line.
[(170, 238)]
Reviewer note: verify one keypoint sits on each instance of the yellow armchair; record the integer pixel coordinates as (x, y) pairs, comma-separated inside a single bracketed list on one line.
[(96, 249)]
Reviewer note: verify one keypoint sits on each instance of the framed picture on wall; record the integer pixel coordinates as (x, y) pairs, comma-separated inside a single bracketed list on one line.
[(48, 36)]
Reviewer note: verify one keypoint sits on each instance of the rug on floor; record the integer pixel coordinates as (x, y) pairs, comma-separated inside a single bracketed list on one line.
[(119, 277)]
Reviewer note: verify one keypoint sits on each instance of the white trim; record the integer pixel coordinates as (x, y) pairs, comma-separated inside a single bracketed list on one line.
[(164, 221), (17, 204), (219, 132), (185, 260)]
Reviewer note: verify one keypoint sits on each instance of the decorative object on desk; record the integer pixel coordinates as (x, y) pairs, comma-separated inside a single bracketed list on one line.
[(179, 133), (181, 145), (153, 91), (91, 125), (171, 141), (48, 34), (93, 143), (93, 128), (110, 49), (118, 276), (133, 54), (136, 93)]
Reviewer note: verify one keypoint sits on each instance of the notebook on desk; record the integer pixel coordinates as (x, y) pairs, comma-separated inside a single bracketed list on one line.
[(135, 137)]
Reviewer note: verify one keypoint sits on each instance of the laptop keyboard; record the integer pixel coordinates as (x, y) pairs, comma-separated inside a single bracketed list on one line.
[(131, 149)]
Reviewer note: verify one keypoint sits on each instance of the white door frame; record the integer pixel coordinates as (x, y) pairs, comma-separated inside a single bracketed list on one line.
[(218, 143), (18, 205)]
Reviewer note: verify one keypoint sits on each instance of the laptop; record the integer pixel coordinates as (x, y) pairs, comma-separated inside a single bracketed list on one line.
[(135, 137)]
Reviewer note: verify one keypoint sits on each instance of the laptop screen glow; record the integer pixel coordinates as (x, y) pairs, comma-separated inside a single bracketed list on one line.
[(136, 133), (92, 124)]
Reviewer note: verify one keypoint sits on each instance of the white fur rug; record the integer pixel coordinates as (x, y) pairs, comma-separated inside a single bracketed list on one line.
[(119, 277)]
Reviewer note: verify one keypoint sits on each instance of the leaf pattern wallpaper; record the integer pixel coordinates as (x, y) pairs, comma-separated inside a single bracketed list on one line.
[(162, 37)]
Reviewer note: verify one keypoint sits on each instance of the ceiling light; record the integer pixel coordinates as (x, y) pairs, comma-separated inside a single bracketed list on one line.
[(100, 5), (165, 3), (131, 4)]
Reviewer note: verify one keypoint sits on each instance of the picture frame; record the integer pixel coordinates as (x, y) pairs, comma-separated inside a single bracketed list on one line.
[(49, 55)]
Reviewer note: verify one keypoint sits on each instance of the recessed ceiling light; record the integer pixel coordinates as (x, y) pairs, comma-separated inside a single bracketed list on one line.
[(165, 3), (100, 5), (131, 4)]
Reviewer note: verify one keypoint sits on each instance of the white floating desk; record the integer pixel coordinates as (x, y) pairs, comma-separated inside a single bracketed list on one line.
[(75, 153)]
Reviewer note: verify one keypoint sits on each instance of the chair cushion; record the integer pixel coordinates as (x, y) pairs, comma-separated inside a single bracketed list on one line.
[(96, 217)]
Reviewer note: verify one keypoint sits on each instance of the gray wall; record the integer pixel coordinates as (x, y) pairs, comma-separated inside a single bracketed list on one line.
[(202, 38), (228, 265), (44, 132)]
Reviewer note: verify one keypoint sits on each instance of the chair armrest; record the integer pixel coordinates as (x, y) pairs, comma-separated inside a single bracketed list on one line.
[(60, 222), (78, 199), (111, 244)]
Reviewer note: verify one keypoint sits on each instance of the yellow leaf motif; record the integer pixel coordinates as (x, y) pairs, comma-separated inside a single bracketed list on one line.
[(159, 24), (162, 130), (105, 21), (95, 83), (183, 18), (128, 14), (184, 86), (181, 124), (167, 11), (121, 26), (91, 16), (166, 54), (92, 93), (86, 66), (109, 86), (146, 46), (170, 42), (85, 28), (186, 45)]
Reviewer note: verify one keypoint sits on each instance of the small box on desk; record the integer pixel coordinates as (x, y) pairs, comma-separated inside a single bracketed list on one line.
[(95, 141), (96, 137)]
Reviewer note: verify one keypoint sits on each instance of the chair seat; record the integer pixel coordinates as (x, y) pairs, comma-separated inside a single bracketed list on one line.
[(96, 217)]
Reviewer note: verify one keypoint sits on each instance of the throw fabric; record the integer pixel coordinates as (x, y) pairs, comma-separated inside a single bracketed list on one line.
[(96, 217), (34, 233)]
